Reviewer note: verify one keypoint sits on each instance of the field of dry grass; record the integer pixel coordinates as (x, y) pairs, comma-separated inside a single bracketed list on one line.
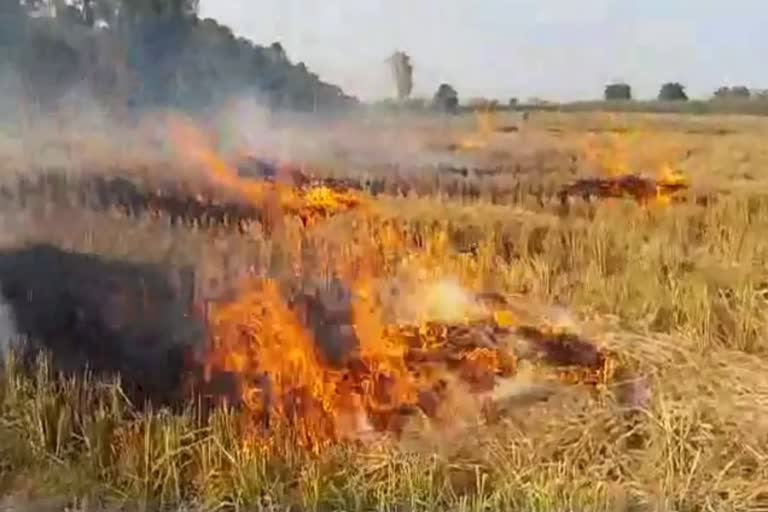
[(678, 293)]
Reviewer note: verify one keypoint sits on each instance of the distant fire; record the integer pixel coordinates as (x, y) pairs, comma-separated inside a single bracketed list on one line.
[(618, 181), (668, 183), (303, 199), (662, 190), (486, 125)]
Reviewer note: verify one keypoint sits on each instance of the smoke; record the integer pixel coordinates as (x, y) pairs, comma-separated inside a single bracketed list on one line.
[(443, 300), (246, 126), (71, 78)]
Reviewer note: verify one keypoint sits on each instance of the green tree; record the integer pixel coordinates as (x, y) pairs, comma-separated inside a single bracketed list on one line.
[(618, 92), (149, 53), (735, 92), (672, 91)]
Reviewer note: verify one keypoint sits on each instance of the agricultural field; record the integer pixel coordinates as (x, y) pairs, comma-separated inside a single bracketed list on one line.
[(561, 311)]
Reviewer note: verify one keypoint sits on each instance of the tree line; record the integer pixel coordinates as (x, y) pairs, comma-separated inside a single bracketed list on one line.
[(446, 98), (147, 53), (675, 91)]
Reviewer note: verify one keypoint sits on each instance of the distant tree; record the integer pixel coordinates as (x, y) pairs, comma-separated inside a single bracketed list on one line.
[(402, 72), (539, 102), (446, 99), (735, 92), (740, 91), (672, 91), (513, 102), (618, 91), (722, 92)]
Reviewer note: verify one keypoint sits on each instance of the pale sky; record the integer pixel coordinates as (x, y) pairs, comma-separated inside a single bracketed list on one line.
[(554, 49)]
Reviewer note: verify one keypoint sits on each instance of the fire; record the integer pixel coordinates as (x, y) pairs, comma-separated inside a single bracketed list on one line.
[(193, 144), (619, 182), (668, 182), (338, 360), (280, 350), (261, 341), (486, 125), (611, 160), (389, 373), (642, 189), (307, 202), (322, 201)]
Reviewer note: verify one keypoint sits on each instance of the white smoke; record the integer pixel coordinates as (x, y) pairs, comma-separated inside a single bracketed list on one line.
[(444, 300), (245, 126)]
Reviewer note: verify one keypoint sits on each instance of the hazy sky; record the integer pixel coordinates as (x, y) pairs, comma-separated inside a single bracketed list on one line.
[(556, 49)]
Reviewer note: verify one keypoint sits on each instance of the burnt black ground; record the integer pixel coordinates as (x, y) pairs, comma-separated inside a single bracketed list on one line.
[(107, 316)]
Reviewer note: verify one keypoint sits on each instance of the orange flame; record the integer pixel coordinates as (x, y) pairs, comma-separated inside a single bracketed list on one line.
[(613, 159), (393, 371), (274, 343), (315, 202), (259, 339), (486, 124)]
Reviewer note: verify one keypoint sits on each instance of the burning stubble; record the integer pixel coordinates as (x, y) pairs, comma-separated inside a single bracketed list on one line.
[(380, 353)]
